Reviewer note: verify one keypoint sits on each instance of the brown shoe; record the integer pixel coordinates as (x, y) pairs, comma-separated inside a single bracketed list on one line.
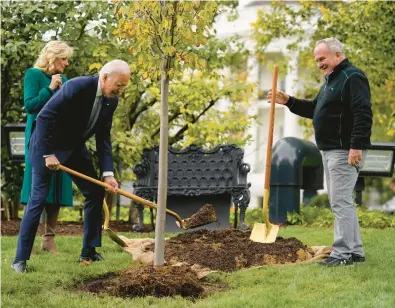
[(48, 244)]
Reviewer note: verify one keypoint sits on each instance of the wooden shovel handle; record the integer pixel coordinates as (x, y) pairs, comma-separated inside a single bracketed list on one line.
[(271, 127), (119, 191)]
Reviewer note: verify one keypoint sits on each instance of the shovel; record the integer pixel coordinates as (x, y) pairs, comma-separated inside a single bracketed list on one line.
[(204, 216), (267, 232), (106, 226)]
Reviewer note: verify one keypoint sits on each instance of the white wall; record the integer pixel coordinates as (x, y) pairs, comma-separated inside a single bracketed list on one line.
[(285, 123)]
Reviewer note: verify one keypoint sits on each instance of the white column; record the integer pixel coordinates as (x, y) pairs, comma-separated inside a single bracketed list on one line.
[(291, 127)]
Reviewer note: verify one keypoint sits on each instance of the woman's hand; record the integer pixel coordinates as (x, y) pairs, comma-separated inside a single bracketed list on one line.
[(56, 82)]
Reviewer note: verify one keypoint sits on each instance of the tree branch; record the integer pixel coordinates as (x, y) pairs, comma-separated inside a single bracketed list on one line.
[(133, 116), (83, 26), (171, 119), (157, 44), (156, 29), (173, 22), (180, 134)]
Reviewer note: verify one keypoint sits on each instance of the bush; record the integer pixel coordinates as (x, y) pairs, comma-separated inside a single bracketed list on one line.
[(321, 201), (311, 216), (315, 216), (322, 217)]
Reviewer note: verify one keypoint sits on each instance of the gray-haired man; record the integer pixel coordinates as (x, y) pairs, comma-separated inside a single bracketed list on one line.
[(83, 107), (342, 119)]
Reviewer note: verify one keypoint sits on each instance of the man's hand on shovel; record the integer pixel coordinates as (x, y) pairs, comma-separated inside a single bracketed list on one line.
[(110, 180), (51, 162)]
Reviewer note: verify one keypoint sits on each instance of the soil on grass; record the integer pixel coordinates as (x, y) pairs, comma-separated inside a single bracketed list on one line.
[(151, 280), (11, 227), (225, 250), (229, 250)]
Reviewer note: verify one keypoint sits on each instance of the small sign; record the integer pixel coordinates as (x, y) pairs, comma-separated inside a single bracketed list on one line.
[(379, 160), (15, 138), (17, 143)]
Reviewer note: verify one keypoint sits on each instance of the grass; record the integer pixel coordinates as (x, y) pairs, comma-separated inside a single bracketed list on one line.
[(370, 284)]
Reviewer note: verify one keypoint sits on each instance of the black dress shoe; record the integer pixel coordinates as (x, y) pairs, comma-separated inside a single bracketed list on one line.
[(19, 267), (96, 257), (336, 262), (84, 260), (357, 258)]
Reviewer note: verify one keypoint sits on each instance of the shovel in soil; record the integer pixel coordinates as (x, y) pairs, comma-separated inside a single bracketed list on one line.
[(267, 232), (107, 229), (203, 217)]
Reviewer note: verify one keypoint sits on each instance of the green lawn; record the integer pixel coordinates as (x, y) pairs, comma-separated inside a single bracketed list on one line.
[(371, 284)]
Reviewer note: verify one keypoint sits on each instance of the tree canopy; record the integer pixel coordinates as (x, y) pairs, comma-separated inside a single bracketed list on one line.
[(91, 28), (366, 29)]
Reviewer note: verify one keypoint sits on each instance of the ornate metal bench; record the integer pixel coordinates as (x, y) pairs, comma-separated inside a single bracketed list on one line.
[(196, 177)]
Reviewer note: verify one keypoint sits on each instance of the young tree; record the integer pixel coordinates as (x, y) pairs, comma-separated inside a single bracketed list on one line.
[(88, 27), (168, 40)]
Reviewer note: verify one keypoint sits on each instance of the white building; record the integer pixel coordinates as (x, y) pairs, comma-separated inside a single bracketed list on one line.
[(285, 122)]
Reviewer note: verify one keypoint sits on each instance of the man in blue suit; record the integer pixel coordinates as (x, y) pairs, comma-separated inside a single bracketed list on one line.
[(83, 107)]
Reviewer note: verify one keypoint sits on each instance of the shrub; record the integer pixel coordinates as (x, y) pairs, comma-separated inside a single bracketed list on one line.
[(323, 217), (320, 201)]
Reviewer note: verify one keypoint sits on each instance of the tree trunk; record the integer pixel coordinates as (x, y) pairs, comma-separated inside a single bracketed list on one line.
[(163, 166), (4, 210), (14, 207)]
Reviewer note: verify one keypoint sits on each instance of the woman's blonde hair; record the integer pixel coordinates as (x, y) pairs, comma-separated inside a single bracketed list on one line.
[(52, 51)]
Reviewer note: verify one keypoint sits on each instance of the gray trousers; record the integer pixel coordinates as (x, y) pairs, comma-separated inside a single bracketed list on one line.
[(341, 178)]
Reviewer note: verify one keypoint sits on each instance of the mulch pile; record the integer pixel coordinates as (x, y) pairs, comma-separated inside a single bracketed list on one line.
[(142, 281), (229, 250), (224, 250)]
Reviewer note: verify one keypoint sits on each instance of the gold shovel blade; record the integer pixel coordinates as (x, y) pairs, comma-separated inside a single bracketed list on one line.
[(115, 238), (262, 234)]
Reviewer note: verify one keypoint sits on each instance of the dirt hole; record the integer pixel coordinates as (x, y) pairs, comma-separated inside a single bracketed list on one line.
[(224, 250)]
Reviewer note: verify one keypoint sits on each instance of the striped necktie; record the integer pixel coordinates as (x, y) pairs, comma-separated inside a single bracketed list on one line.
[(94, 115)]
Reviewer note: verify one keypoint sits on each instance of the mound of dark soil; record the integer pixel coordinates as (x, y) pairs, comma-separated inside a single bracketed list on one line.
[(223, 250), (229, 250), (149, 280)]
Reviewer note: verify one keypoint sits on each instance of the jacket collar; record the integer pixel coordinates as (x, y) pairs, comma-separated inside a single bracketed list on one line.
[(342, 65)]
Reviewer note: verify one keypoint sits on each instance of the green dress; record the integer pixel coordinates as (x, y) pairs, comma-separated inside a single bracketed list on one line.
[(36, 95)]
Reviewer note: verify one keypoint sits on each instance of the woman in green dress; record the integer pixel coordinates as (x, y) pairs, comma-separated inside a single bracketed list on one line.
[(40, 83)]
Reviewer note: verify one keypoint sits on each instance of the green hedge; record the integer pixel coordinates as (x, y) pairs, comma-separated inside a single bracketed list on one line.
[(322, 217), (309, 216)]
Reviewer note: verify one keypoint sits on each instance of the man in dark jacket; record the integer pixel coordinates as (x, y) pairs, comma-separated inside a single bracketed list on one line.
[(342, 119), (83, 107)]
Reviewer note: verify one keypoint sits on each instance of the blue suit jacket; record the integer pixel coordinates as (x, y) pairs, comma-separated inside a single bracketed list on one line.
[(61, 123)]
